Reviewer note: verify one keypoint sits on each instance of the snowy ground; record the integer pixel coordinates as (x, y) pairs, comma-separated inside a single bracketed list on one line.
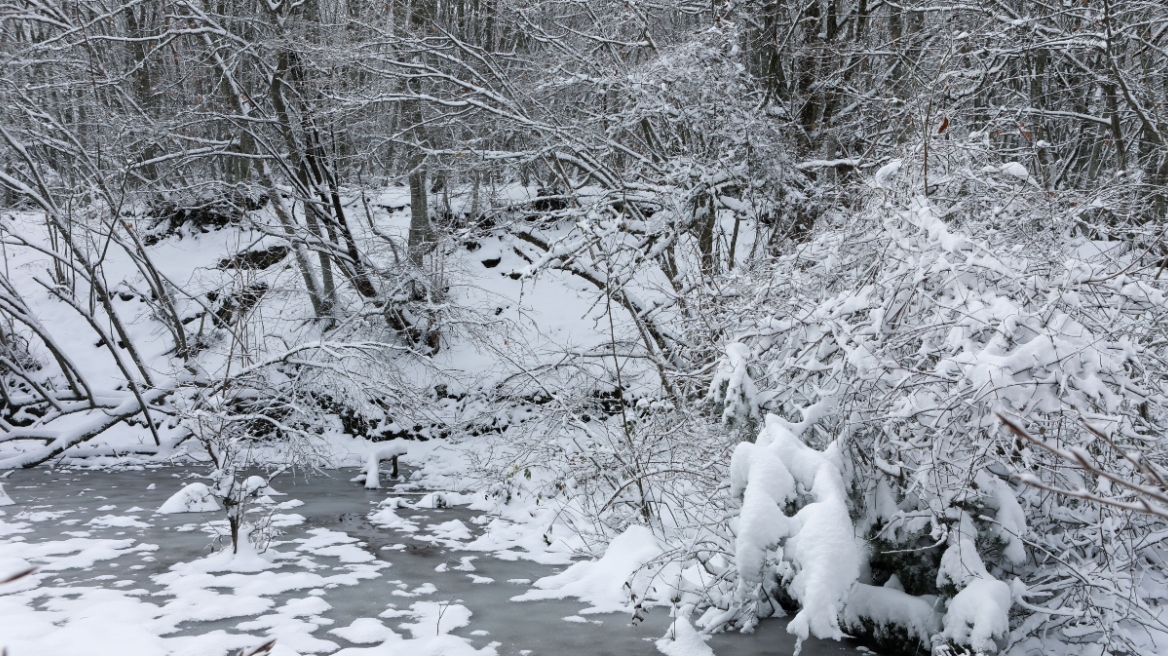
[(349, 571)]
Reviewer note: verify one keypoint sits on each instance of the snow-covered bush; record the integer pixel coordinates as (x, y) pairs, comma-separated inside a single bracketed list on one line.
[(812, 552), (235, 455), (908, 326), (733, 391)]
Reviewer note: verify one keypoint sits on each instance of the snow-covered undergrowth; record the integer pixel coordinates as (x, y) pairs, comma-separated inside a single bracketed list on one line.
[(895, 336), (813, 432)]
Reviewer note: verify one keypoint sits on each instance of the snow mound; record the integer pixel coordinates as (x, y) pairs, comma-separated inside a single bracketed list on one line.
[(1017, 170), (885, 173), (439, 645), (886, 607), (684, 640), (979, 615), (431, 633), (451, 530), (444, 500), (364, 631), (11, 566), (117, 521), (602, 583), (436, 618), (243, 558), (387, 518), (5, 500), (194, 498)]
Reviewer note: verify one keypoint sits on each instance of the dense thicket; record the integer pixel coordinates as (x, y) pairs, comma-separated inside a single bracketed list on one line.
[(885, 223)]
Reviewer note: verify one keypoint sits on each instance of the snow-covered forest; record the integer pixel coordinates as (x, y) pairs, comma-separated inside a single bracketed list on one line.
[(739, 327)]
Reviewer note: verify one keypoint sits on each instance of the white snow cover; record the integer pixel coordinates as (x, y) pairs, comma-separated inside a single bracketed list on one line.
[(888, 606), (92, 620), (732, 385), (758, 475), (979, 613), (194, 498), (242, 558), (602, 583), (1017, 170), (432, 617), (453, 530), (684, 640), (961, 563), (885, 173), (819, 542), (5, 500), (1011, 519), (364, 631), (387, 518), (431, 629), (922, 341), (11, 566)]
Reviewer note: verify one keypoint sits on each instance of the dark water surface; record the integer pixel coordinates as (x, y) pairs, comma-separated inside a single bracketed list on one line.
[(332, 502)]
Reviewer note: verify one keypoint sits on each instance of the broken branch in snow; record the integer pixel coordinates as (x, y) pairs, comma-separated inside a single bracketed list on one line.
[(18, 575), (262, 650), (60, 440)]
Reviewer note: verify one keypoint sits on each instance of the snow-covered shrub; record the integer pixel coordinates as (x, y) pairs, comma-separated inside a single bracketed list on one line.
[(234, 456), (813, 551), (733, 391), (912, 323), (894, 621)]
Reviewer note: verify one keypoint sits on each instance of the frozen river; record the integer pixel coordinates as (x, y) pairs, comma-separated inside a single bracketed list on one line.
[(339, 582)]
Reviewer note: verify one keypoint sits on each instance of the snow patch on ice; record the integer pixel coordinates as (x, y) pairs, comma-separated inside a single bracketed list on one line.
[(601, 583), (683, 640), (451, 530), (194, 498), (364, 631), (117, 521), (5, 500)]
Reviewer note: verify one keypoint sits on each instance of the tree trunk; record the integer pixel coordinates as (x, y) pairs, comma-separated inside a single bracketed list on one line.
[(419, 218)]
